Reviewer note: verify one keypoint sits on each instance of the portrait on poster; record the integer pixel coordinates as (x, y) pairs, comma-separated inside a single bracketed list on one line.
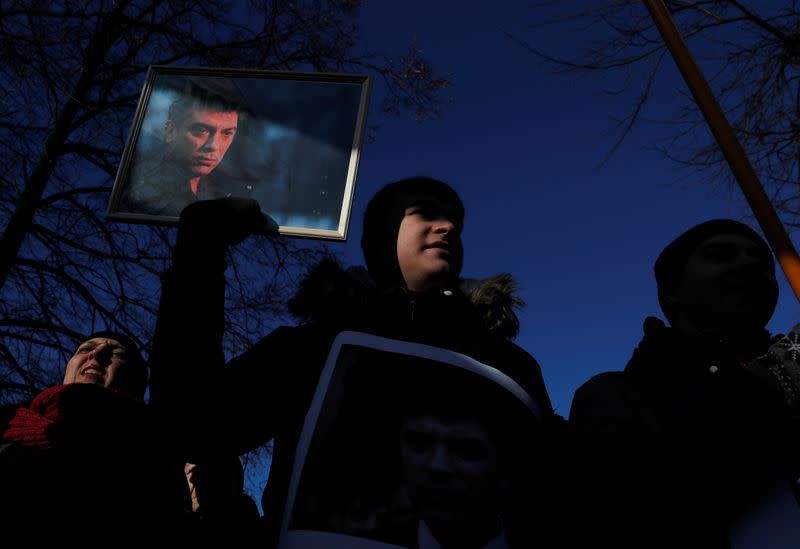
[(406, 445), (289, 140)]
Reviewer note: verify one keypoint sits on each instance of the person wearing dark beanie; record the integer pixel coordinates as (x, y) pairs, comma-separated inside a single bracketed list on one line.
[(753, 308), (385, 214), (410, 291), (691, 437)]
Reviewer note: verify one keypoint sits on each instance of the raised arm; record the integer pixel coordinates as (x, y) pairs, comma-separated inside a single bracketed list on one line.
[(187, 387)]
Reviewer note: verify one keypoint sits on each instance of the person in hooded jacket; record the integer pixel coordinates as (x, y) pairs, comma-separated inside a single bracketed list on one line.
[(681, 447), (410, 291)]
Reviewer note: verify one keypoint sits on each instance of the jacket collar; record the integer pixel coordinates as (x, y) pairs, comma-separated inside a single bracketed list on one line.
[(667, 351)]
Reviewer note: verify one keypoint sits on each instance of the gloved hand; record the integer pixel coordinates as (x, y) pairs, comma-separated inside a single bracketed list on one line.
[(207, 227), (226, 220)]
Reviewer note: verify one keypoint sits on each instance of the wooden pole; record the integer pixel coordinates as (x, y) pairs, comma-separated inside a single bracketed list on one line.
[(726, 138)]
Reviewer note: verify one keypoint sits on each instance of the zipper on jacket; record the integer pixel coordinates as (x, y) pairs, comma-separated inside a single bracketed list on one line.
[(413, 304)]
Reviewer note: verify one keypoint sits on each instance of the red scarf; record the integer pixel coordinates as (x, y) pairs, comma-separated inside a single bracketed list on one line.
[(29, 425)]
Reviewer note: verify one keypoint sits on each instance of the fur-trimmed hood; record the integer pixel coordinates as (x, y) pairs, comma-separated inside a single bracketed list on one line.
[(330, 291)]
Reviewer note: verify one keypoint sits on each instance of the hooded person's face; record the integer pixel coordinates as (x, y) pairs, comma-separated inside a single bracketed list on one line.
[(728, 285), (429, 248)]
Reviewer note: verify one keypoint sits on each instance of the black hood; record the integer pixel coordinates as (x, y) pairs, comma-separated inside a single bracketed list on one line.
[(386, 211)]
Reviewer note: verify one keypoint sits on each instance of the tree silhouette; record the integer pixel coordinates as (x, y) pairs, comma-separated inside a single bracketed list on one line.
[(70, 77), (750, 53)]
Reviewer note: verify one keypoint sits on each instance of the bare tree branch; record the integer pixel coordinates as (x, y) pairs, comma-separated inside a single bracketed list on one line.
[(70, 77), (751, 52)]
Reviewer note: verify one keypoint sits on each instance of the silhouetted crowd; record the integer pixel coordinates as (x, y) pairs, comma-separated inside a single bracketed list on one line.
[(693, 444)]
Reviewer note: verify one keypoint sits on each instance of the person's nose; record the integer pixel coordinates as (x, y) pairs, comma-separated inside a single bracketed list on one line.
[(212, 142), (443, 226), (439, 461), (101, 353)]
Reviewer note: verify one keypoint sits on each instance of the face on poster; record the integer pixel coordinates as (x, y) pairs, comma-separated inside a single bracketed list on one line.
[(396, 453), (291, 141)]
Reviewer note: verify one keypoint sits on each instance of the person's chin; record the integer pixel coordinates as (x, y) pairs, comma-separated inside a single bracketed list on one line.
[(203, 168), (743, 321), (750, 303), (440, 515), (440, 265)]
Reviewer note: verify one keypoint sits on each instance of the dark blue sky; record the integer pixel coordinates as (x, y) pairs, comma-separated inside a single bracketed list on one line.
[(523, 147)]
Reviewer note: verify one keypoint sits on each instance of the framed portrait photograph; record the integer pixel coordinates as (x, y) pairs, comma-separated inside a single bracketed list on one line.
[(407, 445), (289, 140)]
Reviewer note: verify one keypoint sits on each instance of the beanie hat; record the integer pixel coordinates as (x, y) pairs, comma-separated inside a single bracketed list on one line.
[(386, 211), (672, 261)]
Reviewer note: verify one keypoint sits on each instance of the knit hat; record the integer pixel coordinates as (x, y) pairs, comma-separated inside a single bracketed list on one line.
[(133, 356), (671, 262), (386, 211)]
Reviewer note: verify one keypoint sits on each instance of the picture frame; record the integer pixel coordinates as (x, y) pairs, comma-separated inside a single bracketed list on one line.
[(359, 462), (290, 140)]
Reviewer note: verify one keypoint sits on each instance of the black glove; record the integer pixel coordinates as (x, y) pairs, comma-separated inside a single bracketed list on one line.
[(226, 220), (207, 227)]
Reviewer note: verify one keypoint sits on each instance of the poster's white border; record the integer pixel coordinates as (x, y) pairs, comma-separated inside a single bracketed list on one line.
[(306, 538)]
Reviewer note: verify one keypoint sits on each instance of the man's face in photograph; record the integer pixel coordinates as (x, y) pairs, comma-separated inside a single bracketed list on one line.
[(450, 467), (200, 140)]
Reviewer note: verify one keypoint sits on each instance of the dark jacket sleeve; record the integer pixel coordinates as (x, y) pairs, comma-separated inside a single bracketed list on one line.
[(602, 408), (633, 486), (612, 477), (607, 434), (201, 402)]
